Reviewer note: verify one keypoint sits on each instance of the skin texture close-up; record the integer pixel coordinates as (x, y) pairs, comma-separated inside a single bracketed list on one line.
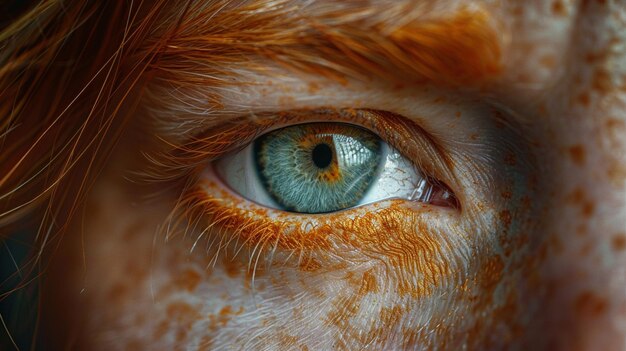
[(313, 175)]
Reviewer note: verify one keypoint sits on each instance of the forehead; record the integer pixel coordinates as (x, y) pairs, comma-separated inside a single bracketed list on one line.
[(504, 47)]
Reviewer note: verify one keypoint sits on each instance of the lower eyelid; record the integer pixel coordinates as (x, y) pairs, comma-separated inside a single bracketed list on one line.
[(212, 196), (395, 178), (415, 238)]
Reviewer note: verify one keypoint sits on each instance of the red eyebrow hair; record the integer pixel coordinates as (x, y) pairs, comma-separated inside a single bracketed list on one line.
[(458, 49)]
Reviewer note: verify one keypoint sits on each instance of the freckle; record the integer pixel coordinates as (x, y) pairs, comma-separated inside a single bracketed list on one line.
[(457, 114), (583, 99), (618, 242), (181, 335), (602, 81), (188, 280), (226, 310), (613, 123), (616, 173), (588, 208), (232, 266), (589, 304), (182, 311), (577, 196), (547, 61), (518, 11), (473, 137), (118, 293), (505, 217), (577, 154), (558, 8), (221, 319)]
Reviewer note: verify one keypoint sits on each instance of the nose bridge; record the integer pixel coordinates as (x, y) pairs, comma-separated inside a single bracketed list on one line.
[(585, 238), (585, 266), (585, 232), (584, 168)]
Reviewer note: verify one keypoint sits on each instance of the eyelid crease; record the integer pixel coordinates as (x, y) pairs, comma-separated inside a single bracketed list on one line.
[(191, 157)]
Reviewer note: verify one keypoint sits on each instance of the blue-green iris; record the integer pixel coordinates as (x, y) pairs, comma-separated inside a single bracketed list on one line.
[(318, 167)]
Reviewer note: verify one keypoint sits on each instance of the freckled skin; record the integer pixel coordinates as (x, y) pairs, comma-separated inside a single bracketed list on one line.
[(536, 262)]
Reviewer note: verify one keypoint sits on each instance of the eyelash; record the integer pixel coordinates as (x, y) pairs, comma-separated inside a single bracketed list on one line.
[(206, 203), (316, 243), (186, 161)]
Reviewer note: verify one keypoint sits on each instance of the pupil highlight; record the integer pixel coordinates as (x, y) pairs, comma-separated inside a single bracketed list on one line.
[(322, 155)]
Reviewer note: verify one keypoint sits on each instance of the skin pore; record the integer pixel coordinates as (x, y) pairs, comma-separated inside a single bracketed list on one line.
[(515, 107)]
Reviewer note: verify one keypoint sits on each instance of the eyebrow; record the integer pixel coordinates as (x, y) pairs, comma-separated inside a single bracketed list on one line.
[(210, 40)]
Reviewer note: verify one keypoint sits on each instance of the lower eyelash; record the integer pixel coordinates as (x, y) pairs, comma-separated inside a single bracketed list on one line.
[(392, 232)]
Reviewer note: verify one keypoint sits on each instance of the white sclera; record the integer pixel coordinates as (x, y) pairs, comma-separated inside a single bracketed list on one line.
[(397, 178), (238, 170)]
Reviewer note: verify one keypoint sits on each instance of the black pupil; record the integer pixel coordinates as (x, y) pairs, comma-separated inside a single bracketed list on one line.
[(322, 155)]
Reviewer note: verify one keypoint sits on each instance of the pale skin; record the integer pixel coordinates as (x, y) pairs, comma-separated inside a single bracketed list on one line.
[(535, 258)]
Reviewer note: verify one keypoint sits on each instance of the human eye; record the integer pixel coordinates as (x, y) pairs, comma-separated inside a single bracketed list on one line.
[(313, 175), (293, 175), (388, 246), (324, 167)]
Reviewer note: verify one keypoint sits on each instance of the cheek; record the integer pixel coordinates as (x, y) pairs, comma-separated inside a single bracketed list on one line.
[(393, 287), (160, 295), (410, 283)]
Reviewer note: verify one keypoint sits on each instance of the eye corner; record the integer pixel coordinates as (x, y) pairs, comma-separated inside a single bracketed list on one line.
[(443, 196)]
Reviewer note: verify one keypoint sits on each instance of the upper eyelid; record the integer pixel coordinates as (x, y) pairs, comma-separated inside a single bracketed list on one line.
[(191, 156), (433, 157)]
